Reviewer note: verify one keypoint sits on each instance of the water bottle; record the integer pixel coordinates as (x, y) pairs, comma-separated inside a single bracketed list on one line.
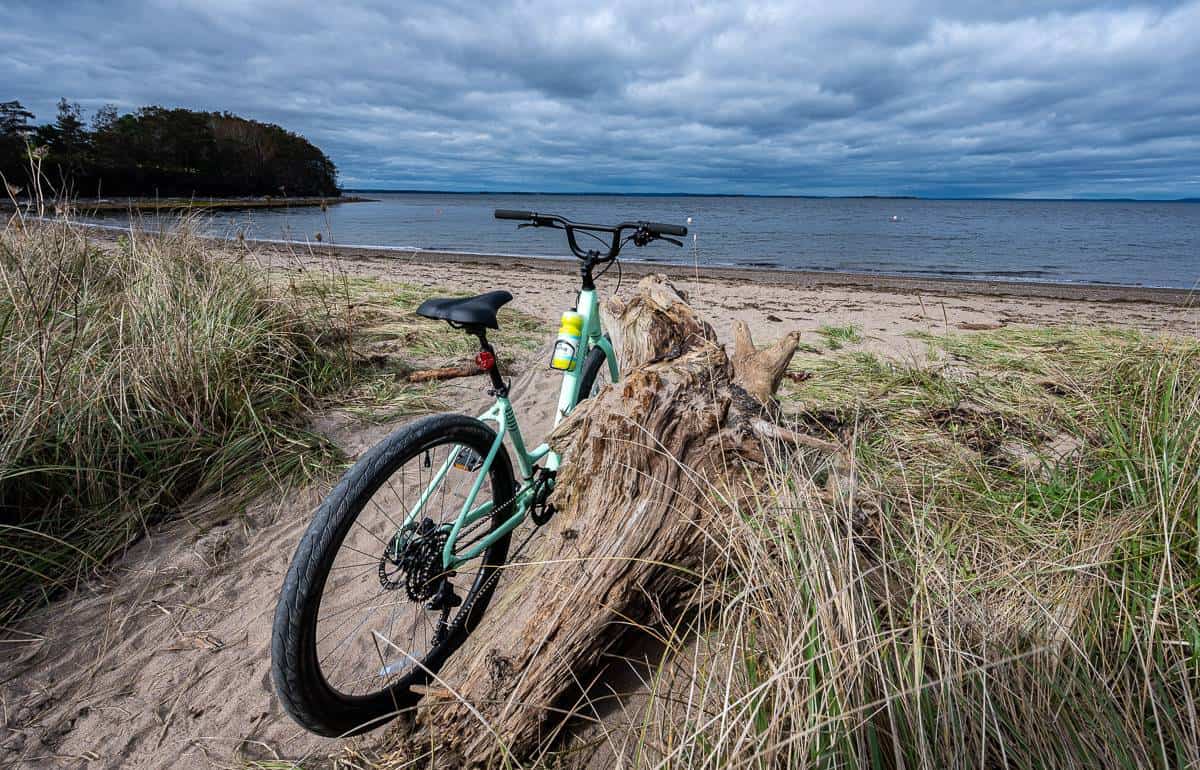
[(570, 331)]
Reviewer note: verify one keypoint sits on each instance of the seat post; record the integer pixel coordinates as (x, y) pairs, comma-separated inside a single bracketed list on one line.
[(498, 385)]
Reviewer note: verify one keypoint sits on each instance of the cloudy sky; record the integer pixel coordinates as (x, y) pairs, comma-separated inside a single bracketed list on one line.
[(955, 98)]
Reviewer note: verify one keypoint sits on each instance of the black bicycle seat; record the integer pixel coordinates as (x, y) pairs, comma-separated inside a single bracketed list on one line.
[(466, 311)]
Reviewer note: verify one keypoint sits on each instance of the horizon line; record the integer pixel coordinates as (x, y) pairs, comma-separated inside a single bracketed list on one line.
[(417, 191)]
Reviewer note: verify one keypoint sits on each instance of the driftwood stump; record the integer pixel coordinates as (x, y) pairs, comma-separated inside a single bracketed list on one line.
[(647, 465)]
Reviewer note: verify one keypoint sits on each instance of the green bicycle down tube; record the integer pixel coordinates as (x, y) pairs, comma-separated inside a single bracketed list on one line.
[(448, 549)]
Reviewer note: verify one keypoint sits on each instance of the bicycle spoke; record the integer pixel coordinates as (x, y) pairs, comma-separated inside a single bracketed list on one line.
[(402, 499), (361, 526), (345, 610), (353, 631), (361, 610), (373, 565), (380, 508)]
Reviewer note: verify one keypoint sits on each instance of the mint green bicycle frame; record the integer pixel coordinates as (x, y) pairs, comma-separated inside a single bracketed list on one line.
[(504, 416)]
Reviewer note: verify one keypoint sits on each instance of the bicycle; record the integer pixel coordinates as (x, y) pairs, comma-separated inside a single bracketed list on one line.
[(439, 572)]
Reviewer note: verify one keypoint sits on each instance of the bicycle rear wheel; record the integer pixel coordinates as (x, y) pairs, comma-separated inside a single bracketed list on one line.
[(593, 375), (367, 612)]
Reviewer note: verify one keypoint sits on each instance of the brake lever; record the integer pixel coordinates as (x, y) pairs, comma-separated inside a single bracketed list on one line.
[(670, 240), (526, 224)]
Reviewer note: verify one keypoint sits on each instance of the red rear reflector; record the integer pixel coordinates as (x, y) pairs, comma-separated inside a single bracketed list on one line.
[(485, 360)]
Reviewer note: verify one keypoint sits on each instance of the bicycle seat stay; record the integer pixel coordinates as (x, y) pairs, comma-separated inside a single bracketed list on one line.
[(479, 310)]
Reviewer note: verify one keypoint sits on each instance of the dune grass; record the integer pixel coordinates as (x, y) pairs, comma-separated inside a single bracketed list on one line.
[(838, 337), (134, 378), (1003, 571), (391, 341), (140, 375)]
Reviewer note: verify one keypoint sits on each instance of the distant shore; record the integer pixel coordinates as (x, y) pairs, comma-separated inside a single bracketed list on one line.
[(88, 205), (786, 196)]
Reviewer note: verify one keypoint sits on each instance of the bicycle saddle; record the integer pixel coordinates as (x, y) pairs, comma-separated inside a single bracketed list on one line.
[(466, 311)]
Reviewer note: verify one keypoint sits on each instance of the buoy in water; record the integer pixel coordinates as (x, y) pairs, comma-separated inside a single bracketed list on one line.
[(895, 218)]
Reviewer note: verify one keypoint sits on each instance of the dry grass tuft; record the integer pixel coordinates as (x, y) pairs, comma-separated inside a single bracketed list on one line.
[(1003, 571), (140, 374), (133, 378), (390, 340)]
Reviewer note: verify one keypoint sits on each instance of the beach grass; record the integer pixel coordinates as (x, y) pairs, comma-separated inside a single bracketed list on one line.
[(385, 320), (146, 373), (838, 337), (135, 378), (1002, 570), (391, 341)]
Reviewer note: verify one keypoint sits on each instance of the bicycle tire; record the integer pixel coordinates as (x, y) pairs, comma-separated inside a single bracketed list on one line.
[(593, 364), (296, 669)]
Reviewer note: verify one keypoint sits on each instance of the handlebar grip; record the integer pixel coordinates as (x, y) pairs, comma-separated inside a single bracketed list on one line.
[(660, 229), (513, 214)]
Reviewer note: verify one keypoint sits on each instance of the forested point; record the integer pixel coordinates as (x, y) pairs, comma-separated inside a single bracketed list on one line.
[(157, 151)]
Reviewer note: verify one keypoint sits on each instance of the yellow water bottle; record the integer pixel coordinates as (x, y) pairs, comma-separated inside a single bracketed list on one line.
[(569, 334)]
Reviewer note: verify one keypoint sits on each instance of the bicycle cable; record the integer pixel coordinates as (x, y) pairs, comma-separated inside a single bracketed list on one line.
[(492, 579), (597, 237), (617, 261)]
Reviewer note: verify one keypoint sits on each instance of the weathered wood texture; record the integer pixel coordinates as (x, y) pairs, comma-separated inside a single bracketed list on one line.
[(648, 464), (444, 373)]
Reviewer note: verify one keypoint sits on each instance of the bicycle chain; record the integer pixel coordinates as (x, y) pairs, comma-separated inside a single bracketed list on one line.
[(490, 582), (443, 628), (494, 578)]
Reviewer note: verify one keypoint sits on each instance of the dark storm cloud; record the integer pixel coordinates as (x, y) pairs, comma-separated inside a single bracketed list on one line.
[(949, 98)]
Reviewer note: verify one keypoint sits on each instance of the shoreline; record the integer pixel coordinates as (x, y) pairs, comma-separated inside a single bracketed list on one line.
[(196, 203), (806, 279), (765, 276), (890, 317)]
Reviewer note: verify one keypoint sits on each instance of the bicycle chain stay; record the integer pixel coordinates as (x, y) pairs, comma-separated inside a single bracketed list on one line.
[(488, 585)]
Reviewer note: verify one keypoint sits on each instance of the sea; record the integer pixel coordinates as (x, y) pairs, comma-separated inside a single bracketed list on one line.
[(1130, 243)]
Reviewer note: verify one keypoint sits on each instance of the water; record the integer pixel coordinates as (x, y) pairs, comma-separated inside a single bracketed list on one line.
[(1123, 243)]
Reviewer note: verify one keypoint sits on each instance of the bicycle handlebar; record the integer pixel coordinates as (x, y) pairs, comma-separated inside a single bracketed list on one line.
[(644, 232), (514, 214), (659, 228)]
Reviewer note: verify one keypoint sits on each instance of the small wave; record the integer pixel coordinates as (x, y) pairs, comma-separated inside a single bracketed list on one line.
[(863, 267), (978, 273)]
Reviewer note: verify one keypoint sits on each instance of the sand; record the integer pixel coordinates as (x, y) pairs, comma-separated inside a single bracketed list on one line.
[(884, 309), (163, 660)]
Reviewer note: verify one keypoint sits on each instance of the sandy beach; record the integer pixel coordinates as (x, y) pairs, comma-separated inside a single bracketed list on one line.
[(163, 662), (884, 309)]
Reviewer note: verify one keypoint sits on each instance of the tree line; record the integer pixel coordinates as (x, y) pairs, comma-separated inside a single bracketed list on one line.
[(160, 152)]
